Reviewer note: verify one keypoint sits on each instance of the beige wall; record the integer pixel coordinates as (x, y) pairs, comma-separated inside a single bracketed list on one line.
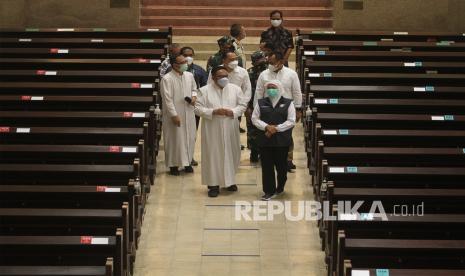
[(67, 13), (409, 15)]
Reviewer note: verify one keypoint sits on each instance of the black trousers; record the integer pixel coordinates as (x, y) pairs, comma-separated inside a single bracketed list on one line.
[(273, 158)]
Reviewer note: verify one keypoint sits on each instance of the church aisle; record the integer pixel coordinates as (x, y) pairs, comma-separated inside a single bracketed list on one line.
[(186, 233)]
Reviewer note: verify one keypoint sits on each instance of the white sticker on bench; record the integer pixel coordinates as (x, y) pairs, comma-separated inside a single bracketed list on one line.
[(146, 85), (23, 130), (409, 64), (155, 61), (138, 115), (129, 149), (348, 217), (336, 169), (401, 33), (66, 30), (419, 89), (360, 272), (50, 73), (25, 40), (313, 75), (330, 132), (366, 216), (437, 118), (321, 101), (309, 53), (37, 98), (112, 190), (99, 241), (96, 40), (63, 51), (153, 30)]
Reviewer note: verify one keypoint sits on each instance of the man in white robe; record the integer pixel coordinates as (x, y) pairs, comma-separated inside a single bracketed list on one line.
[(220, 103), (178, 115)]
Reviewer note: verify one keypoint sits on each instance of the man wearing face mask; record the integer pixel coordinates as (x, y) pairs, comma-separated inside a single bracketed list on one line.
[(226, 45), (291, 88), (220, 103), (274, 116), (278, 36), (237, 31), (259, 65), (200, 77), (178, 115)]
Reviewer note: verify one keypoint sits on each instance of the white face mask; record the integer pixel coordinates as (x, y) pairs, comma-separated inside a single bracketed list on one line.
[(276, 22), (233, 64), (190, 60), (272, 68), (223, 82)]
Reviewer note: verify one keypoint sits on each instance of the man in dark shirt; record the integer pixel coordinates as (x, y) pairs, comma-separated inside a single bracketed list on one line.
[(225, 44), (278, 36)]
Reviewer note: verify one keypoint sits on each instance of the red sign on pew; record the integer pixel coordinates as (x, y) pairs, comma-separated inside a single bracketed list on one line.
[(4, 129), (127, 114), (40, 72), (26, 98), (86, 239), (143, 60), (101, 188), (115, 149), (135, 85)]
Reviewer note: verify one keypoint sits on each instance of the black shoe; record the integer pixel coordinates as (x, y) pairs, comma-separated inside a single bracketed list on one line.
[(194, 163), (268, 197), (291, 165), (279, 192), (232, 188), (242, 147), (241, 130), (188, 169), (254, 158), (213, 191), (174, 171)]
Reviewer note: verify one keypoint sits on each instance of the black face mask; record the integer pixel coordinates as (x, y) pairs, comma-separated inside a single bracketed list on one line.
[(262, 66)]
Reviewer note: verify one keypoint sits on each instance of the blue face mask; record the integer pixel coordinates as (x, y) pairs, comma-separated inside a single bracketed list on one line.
[(272, 92)]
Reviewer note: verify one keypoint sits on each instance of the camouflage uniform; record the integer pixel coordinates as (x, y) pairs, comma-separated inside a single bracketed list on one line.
[(252, 131), (216, 59)]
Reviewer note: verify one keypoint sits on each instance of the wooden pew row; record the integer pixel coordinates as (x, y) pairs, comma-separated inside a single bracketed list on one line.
[(82, 53), (69, 222), (349, 270), (62, 250), (106, 270), (381, 45)]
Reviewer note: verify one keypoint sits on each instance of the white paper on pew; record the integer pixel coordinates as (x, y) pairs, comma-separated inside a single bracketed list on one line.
[(99, 241), (129, 149), (146, 85), (153, 30), (329, 132), (321, 101), (366, 216), (37, 98), (437, 118), (336, 169), (401, 33), (360, 272), (50, 73), (155, 61), (309, 53), (409, 64), (419, 89), (65, 30), (112, 190), (24, 40), (96, 40), (348, 217), (313, 75), (63, 51), (138, 115), (23, 130)]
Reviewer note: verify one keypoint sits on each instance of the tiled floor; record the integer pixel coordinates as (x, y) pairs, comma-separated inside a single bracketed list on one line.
[(186, 233)]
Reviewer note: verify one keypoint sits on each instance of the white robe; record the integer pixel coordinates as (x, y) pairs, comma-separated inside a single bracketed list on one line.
[(179, 142), (221, 148)]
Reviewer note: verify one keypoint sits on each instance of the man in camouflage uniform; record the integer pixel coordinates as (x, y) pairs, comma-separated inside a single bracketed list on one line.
[(226, 44), (259, 65)]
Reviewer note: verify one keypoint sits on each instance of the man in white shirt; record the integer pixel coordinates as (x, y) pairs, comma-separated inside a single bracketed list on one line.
[(291, 88), (236, 75), (179, 91)]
